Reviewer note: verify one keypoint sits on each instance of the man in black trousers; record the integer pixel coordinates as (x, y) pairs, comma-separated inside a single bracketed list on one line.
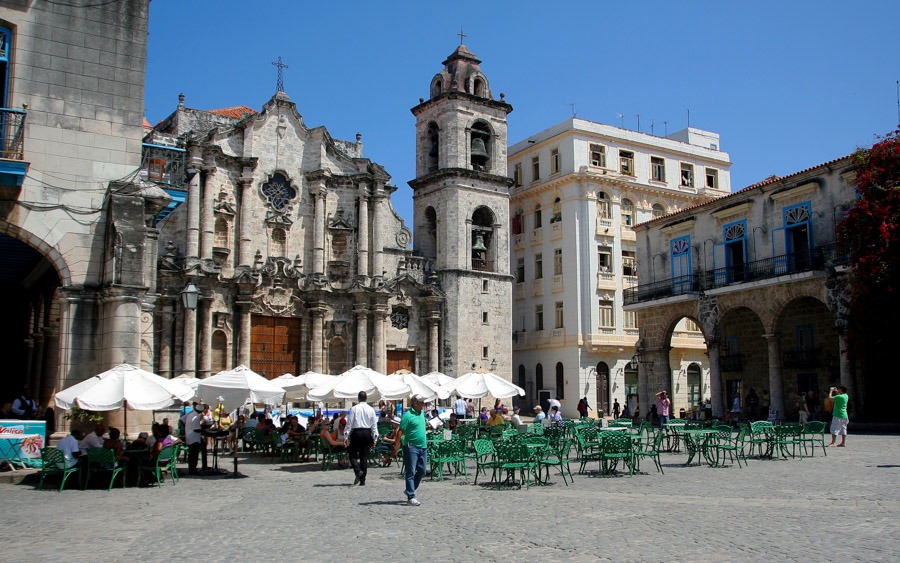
[(362, 425)]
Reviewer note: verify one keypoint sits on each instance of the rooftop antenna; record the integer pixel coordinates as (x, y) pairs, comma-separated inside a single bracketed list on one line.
[(898, 101), (689, 117), (621, 120), (279, 87), (639, 122), (461, 35), (572, 105), (652, 124), (666, 125)]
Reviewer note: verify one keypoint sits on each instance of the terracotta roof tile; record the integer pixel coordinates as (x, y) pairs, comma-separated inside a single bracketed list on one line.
[(234, 111), (147, 124)]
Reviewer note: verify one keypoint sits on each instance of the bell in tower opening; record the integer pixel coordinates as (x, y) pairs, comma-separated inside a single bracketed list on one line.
[(481, 137)]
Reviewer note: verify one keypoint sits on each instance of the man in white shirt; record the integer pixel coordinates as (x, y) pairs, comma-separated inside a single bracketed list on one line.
[(95, 438), (515, 419), (70, 448), (555, 403), (193, 437), (459, 407), (362, 426)]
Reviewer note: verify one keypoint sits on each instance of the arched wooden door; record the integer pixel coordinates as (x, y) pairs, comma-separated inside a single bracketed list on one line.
[(602, 387)]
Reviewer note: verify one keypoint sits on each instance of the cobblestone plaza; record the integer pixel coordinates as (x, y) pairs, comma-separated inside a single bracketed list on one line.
[(841, 507)]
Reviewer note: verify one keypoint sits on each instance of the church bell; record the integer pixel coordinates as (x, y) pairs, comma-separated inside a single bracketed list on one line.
[(479, 243), (478, 150)]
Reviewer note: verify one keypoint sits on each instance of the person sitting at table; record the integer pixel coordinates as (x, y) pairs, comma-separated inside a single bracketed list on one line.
[(140, 443), (539, 415), (555, 417), (70, 447), (95, 438), (515, 419), (498, 405), (390, 444), (437, 418), (504, 412), (495, 419), (115, 444), (452, 423), (336, 445), (483, 415)]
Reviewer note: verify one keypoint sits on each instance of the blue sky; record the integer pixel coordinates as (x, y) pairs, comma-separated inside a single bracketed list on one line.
[(787, 85)]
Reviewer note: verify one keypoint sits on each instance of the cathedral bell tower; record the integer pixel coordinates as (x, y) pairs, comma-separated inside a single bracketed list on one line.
[(461, 213)]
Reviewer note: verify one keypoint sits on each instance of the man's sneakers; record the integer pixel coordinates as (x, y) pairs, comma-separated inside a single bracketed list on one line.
[(414, 502), (356, 481)]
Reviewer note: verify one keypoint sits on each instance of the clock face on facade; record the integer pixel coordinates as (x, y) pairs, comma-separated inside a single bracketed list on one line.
[(279, 192)]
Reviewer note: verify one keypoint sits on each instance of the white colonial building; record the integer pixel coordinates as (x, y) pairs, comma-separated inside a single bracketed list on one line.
[(578, 189)]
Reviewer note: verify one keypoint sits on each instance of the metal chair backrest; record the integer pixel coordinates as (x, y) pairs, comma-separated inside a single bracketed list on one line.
[(53, 458), (616, 443)]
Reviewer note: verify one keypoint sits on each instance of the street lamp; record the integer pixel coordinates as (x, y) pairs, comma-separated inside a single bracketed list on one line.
[(189, 296), (493, 364)]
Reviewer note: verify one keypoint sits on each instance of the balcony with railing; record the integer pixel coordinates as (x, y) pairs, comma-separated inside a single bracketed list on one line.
[(482, 265), (821, 257), (13, 167)]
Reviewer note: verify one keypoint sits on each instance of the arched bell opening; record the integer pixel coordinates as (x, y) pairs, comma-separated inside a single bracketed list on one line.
[(480, 146), (483, 251)]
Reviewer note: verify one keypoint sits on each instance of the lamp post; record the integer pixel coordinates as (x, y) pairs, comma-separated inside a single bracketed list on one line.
[(493, 364), (189, 296)]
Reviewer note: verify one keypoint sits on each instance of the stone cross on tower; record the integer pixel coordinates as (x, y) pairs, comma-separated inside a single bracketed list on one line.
[(279, 87), (461, 35)]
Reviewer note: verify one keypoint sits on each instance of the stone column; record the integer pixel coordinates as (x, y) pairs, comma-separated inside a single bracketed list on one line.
[(123, 315), (245, 329), (846, 367), (166, 321), (377, 234), (379, 356), (362, 323), (189, 348), (317, 327), (207, 219), (434, 360), (776, 380), (715, 380), (319, 194), (37, 365), (204, 340), (51, 364), (362, 266), (192, 251), (245, 251)]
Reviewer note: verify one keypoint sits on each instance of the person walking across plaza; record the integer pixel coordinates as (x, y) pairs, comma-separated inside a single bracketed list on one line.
[(840, 418), (362, 428), (583, 407), (415, 455), (662, 408), (459, 407), (615, 408)]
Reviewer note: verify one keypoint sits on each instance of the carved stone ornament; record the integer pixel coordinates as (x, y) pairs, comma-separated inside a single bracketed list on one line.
[(404, 237), (277, 301), (400, 317), (279, 194)]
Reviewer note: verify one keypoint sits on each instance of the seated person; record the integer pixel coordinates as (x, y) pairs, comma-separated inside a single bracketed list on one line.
[(483, 415), (95, 438), (453, 423), (70, 448), (140, 443), (115, 444), (495, 419), (435, 420), (331, 440), (555, 417), (390, 444)]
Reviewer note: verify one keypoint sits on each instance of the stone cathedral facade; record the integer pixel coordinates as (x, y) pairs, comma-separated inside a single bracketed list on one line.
[(299, 257)]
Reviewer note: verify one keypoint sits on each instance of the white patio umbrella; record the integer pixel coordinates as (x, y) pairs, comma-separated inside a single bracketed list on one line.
[(123, 387), (238, 385), (445, 382), (358, 378), (188, 380), (419, 386), (475, 385), (297, 388), (282, 380)]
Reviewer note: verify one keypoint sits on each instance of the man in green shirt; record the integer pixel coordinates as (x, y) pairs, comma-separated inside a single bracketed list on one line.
[(415, 454), (839, 419)]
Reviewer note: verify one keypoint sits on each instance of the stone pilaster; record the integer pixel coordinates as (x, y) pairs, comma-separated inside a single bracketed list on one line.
[(434, 359), (715, 379), (379, 355), (318, 191), (377, 232), (317, 327), (245, 330), (189, 346), (362, 322), (207, 219), (776, 380), (192, 250), (166, 321), (204, 336), (245, 250), (362, 267)]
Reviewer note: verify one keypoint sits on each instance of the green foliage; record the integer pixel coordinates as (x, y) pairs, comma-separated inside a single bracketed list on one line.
[(81, 416)]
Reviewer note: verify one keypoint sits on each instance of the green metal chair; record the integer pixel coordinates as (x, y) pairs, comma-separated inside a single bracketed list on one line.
[(165, 461), (557, 456), (330, 454), (54, 461), (813, 433), (450, 453), (103, 460), (516, 458), (587, 447), (726, 442), (616, 446), (485, 457), (649, 449), (787, 436)]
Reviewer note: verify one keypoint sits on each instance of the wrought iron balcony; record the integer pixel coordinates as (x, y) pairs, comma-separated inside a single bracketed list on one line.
[(821, 257), (483, 265), (13, 166), (163, 165)]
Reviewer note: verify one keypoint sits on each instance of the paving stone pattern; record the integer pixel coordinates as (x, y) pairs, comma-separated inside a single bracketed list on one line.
[(841, 507)]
